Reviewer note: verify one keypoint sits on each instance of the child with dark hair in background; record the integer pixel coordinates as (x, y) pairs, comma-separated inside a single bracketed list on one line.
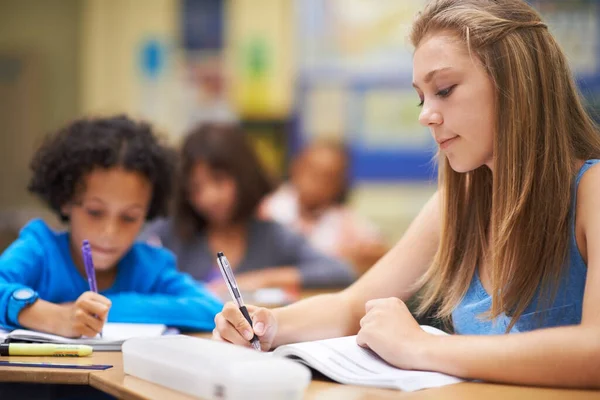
[(221, 185), (314, 204), (104, 177)]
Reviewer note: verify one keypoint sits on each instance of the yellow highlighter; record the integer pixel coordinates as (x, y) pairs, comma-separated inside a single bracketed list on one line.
[(45, 349)]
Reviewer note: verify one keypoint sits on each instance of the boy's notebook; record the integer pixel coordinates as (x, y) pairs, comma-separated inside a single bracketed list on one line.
[(113, 336), (344, 361)]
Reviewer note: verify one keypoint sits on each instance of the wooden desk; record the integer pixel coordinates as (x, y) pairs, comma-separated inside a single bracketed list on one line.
[(114, 381), (56, 375)]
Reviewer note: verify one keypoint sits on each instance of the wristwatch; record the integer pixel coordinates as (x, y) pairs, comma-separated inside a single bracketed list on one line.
[(20, 299)]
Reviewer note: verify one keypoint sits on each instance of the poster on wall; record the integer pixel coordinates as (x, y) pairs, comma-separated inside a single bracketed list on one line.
[(355, 37), (234, 67), (259, 42), (203, 69), (356, 78), (356, 85), (576, 26)]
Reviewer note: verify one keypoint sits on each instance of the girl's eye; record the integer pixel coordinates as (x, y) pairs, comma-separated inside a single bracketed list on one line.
[(441, 93), (445, 92)]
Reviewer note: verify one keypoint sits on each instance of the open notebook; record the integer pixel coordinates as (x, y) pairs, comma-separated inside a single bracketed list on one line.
[(344, 361), (113, 336)]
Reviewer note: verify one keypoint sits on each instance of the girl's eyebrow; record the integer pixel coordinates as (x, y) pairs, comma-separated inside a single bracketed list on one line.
[(429, 76)]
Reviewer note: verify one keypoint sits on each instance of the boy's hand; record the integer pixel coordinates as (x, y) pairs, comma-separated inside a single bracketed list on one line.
[(85, 317)]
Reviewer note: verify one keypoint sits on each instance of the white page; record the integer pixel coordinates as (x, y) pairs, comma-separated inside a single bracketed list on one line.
[(343, 360), (122, 331), (112, 333)]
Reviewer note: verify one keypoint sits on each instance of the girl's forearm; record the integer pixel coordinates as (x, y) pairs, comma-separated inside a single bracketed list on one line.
[(319, 317), (564, 356)]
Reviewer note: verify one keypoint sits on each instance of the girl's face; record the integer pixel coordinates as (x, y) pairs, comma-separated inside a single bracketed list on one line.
[(212, 193), (109, 213), (457, 99)]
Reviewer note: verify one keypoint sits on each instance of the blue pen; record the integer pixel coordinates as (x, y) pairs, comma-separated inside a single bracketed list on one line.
[(90, 272)]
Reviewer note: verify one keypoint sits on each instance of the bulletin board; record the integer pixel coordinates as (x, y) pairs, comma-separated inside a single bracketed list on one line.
[(236, 69), (355, 79), (576, 26), (355, 84)]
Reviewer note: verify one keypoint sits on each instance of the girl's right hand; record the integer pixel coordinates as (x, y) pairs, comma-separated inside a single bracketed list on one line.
[(85, 317), (232, 327)]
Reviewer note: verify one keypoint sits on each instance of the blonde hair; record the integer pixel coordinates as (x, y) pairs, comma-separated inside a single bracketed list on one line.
[(519, 219)]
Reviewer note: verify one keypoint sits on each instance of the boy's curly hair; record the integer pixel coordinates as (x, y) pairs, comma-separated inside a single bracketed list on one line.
[(65, 157)]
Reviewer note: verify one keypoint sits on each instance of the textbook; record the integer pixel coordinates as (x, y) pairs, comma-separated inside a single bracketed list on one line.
[(113, 336), (344, 361)]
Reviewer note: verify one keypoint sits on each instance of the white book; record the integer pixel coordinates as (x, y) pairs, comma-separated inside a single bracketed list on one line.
[(113, 336), (344, 361)]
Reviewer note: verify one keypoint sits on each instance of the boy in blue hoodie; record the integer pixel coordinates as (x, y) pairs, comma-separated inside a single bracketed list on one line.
[(104, 177)]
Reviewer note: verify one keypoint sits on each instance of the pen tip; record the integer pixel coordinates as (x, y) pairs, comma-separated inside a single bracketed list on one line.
[(220, 254)]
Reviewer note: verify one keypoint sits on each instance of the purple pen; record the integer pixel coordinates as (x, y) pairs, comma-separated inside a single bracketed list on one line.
[(90, 272), (88, 263)]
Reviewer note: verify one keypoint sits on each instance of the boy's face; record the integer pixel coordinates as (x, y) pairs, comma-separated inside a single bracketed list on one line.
[(109, 212)]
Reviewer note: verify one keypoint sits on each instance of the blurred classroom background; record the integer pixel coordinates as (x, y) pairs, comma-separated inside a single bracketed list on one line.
[(289, 70)]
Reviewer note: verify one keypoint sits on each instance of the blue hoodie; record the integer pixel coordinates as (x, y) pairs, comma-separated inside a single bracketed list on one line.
[(147, 289)]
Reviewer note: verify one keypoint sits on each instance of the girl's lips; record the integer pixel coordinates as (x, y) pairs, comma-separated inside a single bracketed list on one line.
[(445, 143)]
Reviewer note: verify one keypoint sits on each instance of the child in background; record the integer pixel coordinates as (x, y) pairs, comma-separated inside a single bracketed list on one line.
[(104, 177), (220, 187), (313, 203)]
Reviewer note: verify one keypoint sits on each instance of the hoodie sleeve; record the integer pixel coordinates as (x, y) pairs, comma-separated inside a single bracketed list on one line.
[(21, 267)]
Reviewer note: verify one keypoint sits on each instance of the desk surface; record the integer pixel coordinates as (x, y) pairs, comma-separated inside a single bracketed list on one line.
[(56, 375), (115, 382)]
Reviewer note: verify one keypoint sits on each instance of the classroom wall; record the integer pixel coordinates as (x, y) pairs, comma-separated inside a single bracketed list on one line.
[(63, 58), (260, 51), (39, 47), (129, 61), (391, 206), (39, 70)]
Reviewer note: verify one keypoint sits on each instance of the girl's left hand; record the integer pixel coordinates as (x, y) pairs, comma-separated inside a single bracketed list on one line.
[(389, 329)]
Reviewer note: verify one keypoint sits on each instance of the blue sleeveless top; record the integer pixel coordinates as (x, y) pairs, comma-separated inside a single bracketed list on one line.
[(467, 317)]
